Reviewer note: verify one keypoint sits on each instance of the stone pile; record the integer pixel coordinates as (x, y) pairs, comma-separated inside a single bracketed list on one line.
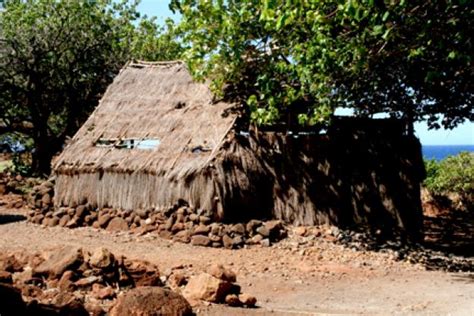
[(73, 281), (180, 222), (40, 198), (14, 186), (73, 276)]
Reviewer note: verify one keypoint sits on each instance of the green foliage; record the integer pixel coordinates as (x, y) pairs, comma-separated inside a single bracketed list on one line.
[(58, 56), (298, 60), (454, 174)]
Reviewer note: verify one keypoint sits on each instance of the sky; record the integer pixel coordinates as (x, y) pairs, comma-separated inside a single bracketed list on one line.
[(462, 135)]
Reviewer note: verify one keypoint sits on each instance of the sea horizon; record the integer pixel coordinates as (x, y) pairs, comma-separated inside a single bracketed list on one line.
[(440, 152)]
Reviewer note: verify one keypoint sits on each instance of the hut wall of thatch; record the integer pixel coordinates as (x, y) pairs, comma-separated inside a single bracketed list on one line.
[(354, 175)]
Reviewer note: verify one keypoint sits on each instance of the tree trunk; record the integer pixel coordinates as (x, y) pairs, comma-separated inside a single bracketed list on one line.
[(42, 155)]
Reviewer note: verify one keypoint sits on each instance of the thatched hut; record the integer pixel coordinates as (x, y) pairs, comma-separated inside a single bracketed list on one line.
[(158, 137)]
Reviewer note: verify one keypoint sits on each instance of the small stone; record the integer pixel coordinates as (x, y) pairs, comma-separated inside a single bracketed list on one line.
[(177, 279), (183, 236), (227, 241), (104, 220), (248, 300), (238, 228), (46, 200), (72, 223), (85, 282), (237, 241), (263, 230), (194, 218), (53, 222), (216, 229), (177, 227), (300, 231), (256, 239), (65, 283), (102, 292), (80, 211), (265, 242), (200, 240), (204, 220), (222, 273), (102, 258), (252, 225), (5, 277), (142, 213), (117, 224), (201, 230), (233, 300), (169, 223)]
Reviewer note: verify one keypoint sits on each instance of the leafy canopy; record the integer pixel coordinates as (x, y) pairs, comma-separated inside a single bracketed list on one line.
[(58, 56), (297, 60)]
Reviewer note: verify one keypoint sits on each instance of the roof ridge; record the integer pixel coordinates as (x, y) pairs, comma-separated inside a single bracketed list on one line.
[(143, 63)]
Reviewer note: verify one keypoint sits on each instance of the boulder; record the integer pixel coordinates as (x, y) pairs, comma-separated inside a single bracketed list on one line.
[(148, 301), (65, 258), (207, 288), (11, 301)]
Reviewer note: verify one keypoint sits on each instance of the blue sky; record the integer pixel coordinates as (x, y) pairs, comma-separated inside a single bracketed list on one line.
[(462, 135)]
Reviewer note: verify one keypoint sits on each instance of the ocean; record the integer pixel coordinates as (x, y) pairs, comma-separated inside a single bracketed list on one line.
[(439, 152)]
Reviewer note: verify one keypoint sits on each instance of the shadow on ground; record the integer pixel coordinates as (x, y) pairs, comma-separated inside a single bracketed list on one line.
[(450, 232), (466, 278), (11, 218)]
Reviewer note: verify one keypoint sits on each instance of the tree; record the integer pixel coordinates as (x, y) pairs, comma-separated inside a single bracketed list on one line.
[(298, 60), (56, 59)]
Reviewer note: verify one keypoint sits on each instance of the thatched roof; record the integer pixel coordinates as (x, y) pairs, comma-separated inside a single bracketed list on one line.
[(158, 101)]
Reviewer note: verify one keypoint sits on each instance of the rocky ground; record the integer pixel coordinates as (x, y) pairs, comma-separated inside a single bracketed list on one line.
[(330, 272)]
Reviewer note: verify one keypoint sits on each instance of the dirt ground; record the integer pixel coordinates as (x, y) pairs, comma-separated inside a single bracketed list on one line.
[(288, 278)]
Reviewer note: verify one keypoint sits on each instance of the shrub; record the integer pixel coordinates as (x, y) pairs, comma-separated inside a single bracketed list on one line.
[(455, 174)]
